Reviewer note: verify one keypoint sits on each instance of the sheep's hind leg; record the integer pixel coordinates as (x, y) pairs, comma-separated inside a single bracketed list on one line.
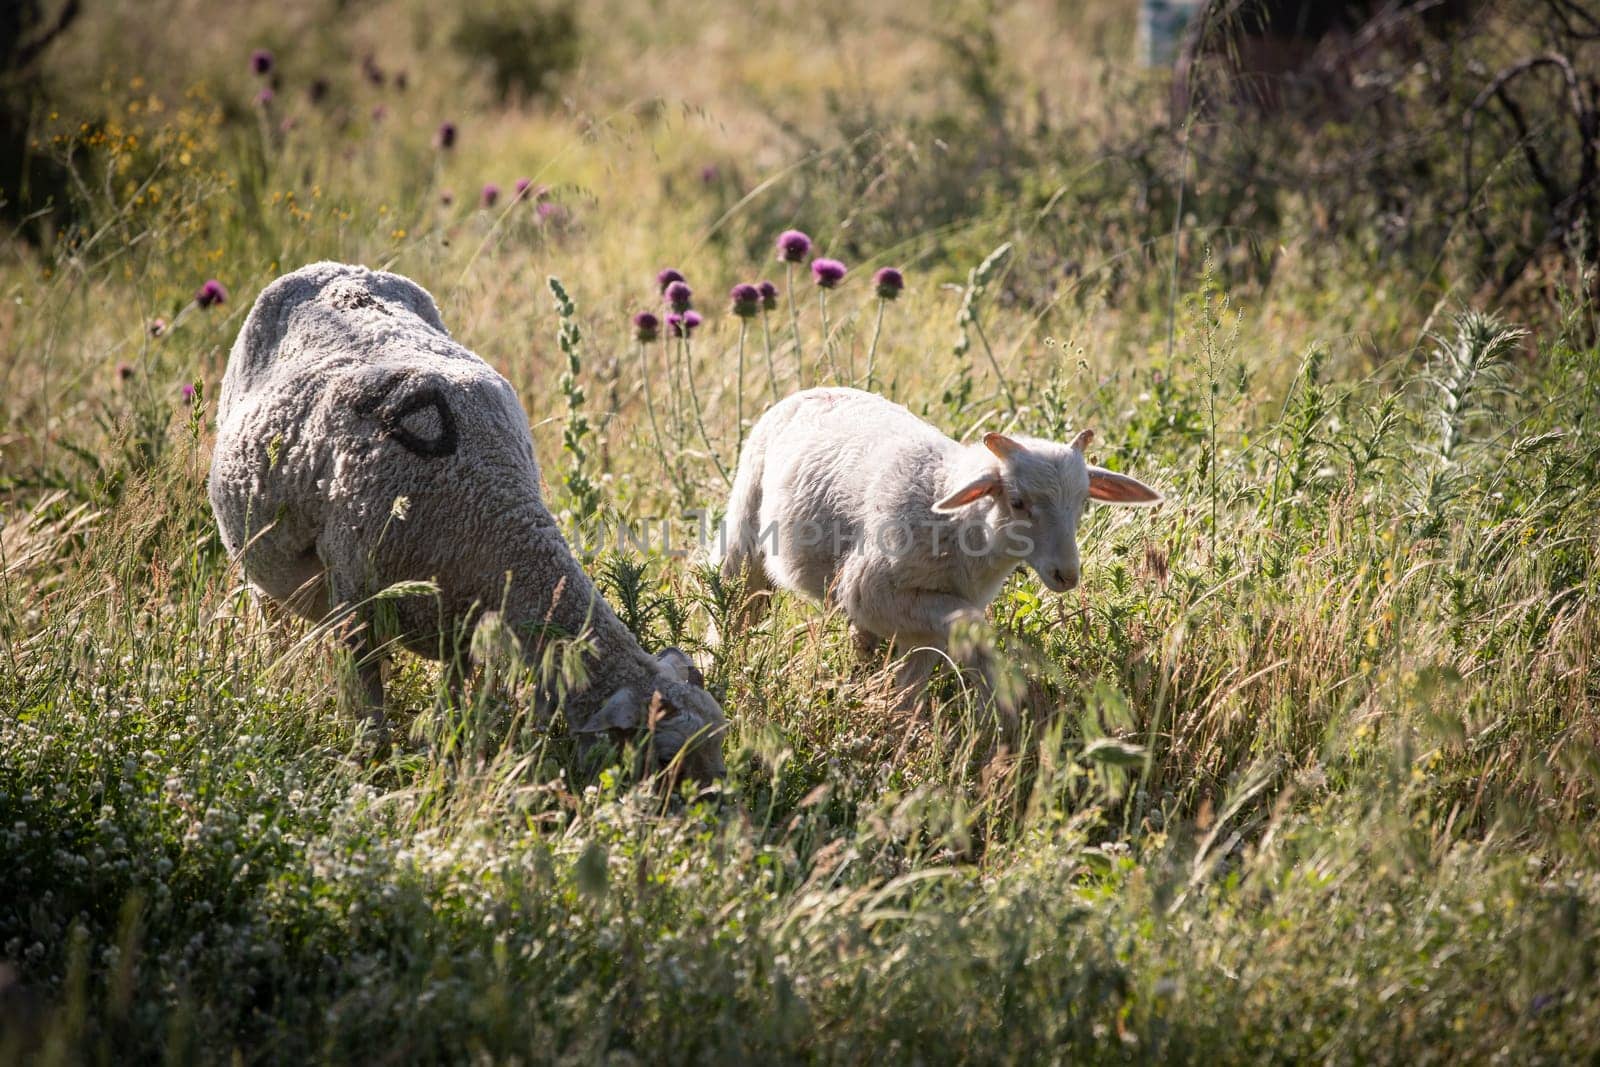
[(368, 662)]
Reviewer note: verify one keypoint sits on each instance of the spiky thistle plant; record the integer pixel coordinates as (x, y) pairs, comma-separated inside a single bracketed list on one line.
[(583, 490), (1466, 375), (627, 582)]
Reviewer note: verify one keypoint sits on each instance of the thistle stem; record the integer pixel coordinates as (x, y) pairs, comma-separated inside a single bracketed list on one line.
[(872, 349), (977, 328), (674, 387), (699, 420), (794, 321), (766, 341), (650, 407), (738, 392), (827, 347)]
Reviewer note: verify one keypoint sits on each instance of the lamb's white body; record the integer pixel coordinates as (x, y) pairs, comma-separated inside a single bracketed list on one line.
[(847, 497), (344, 394)]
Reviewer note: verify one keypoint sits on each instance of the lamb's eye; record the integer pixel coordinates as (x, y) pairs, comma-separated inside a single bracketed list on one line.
[(1020, 506)]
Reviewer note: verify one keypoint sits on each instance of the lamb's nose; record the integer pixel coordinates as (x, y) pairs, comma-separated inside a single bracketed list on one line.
[(1066, 579)]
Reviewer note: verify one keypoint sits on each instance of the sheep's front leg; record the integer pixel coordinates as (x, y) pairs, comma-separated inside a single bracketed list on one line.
[(369, 675), (368, 661), (369, 671), (913, 674), (918, 619), (913, 616)]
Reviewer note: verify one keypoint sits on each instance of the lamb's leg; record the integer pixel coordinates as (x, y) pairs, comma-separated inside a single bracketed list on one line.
[(919, 620), (738, 552), (924, 654), (911, 678), (880, 608), (868, 645), (755, 593)]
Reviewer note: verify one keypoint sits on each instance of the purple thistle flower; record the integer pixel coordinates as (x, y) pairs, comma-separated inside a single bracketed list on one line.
[(264, 97), (489, 194), (188, 392), (769, 295), (522, 187), (124, 370), (261, 62), (889, 282), (683, 325), (746, 300), (211, 293), (646, 326), (446, 197), (710, 173), (373, 72), (445, 136), (827, 272), (317, 91), (551, 212), (793, 246), (157, 327), (679, 295), (666, 277)]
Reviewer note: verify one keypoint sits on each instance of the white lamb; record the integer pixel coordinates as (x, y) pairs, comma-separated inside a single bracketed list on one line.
[(849, 498), (359, 446)]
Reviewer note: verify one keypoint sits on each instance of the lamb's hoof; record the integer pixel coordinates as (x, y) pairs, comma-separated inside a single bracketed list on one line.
[(866, 644)]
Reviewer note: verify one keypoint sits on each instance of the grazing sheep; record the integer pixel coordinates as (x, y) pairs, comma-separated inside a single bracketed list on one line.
[(847, 497), (359, 446)]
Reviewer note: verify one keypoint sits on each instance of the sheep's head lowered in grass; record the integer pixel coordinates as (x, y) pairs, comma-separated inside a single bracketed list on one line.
[(362, 450), (679, 724), (1040, 490)]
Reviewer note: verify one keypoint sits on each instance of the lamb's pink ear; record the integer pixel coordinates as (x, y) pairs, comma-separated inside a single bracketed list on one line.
[(1084, 439), (1002, 446), (1112, 488), (986, 485)]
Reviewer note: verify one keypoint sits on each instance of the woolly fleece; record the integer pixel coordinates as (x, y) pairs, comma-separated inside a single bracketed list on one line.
[(359, 446)]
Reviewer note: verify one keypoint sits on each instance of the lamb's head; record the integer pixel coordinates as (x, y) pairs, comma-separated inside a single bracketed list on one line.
[(683, 723), (1039, 490)]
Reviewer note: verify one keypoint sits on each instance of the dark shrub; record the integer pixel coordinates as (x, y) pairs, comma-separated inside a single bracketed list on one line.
[(28, 180), (528, 44)]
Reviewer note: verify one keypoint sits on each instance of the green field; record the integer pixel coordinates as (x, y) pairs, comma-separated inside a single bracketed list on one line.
[(1307, 768)]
